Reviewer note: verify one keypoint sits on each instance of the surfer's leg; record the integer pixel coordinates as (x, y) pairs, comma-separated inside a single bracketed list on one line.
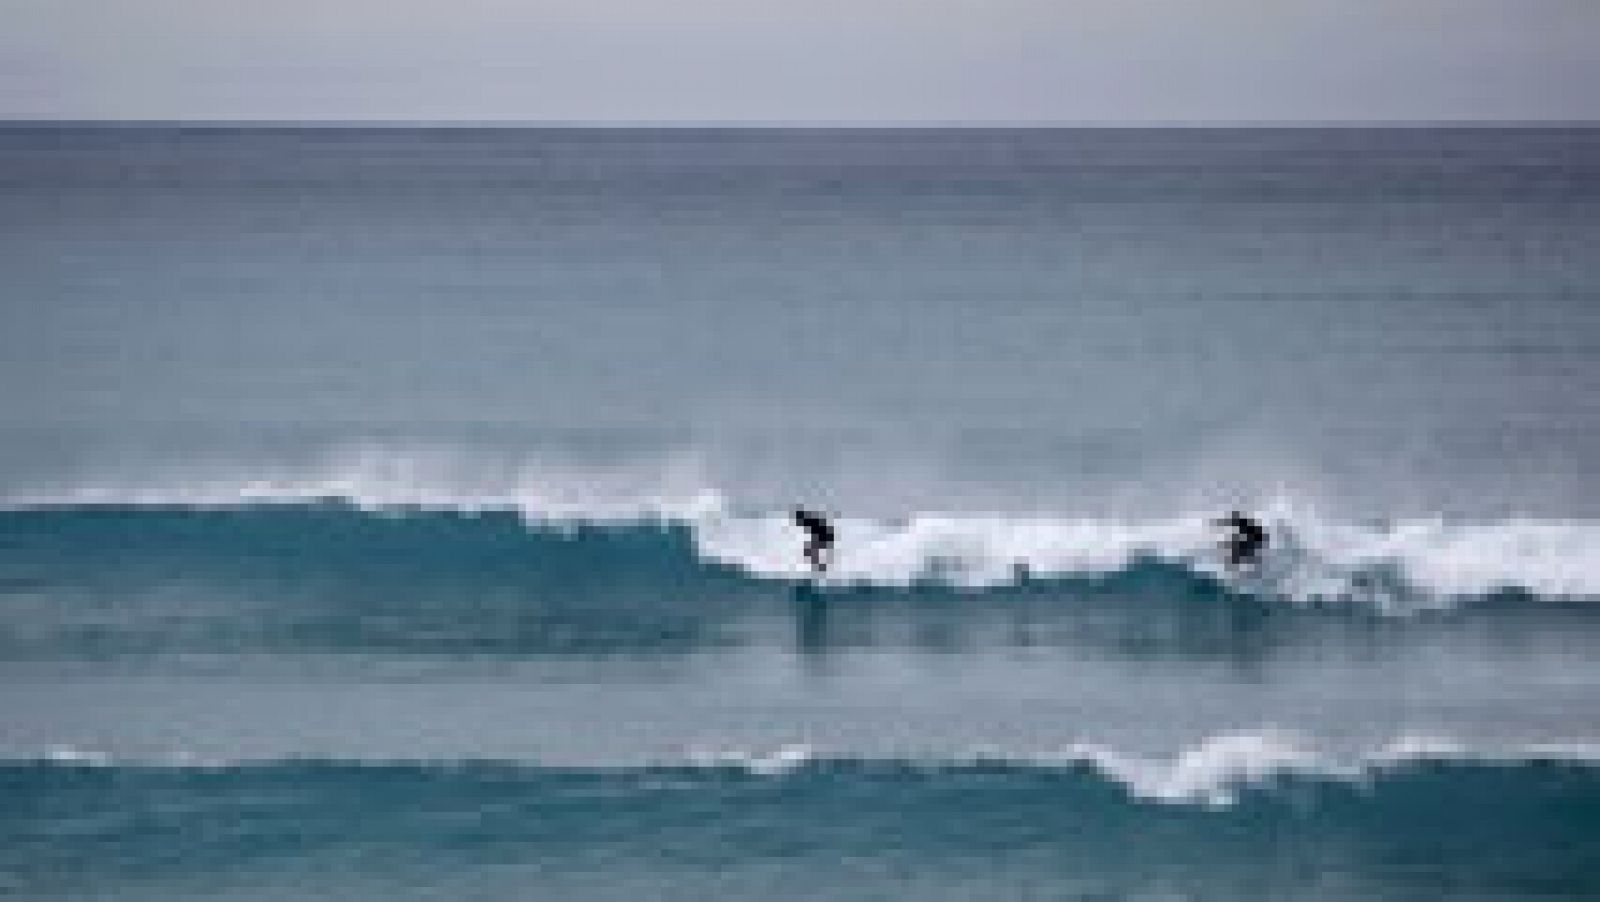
[(1244, 555)]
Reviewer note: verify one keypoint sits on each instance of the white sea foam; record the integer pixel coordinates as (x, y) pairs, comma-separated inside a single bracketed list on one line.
[(769, 762), (1212, 771), (1397, 565), (66, 754), (964, 550)]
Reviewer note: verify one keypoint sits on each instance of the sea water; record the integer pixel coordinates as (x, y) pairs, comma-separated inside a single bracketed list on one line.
[(403, 513)]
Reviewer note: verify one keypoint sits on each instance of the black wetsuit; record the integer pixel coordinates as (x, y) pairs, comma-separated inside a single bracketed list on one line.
[(1246, 540), (820, 534)]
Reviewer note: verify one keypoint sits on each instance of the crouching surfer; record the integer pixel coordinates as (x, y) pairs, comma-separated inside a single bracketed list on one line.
[(819, 538), (1243, 540)]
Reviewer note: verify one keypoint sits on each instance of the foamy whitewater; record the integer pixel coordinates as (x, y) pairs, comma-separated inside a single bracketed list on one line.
[(406, 514)]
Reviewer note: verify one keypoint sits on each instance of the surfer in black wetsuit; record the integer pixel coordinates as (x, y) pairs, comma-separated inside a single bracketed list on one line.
[(1244, 541), (819, 539)]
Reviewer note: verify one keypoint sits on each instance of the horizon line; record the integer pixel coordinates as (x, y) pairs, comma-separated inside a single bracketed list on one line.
[(797, 124)]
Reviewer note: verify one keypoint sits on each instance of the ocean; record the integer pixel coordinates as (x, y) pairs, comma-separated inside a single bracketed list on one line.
[(403, 513)]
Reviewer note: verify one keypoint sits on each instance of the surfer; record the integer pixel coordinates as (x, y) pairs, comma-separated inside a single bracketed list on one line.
[(1244, 541), (819, 539)]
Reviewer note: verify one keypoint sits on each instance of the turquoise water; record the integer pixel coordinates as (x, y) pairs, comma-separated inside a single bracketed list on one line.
[(401, 513)]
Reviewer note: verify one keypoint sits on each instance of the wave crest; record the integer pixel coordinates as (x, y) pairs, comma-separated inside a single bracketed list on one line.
[(1213, 772), (1394, 564)]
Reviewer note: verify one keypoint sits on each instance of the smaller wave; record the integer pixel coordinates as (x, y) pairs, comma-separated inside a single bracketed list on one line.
[(814, 826), (1217, 771)]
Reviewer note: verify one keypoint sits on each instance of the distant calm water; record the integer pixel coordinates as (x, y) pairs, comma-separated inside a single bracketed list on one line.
[(401, 513)]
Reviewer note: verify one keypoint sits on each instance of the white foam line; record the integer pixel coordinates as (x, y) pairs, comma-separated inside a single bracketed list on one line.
[(1212, 772)]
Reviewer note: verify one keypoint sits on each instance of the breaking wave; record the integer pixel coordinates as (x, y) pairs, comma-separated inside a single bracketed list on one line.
[(1218, 771), (1393, 565), (821, 829)]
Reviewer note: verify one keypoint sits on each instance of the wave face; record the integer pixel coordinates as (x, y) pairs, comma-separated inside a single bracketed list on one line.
[(824, 828)]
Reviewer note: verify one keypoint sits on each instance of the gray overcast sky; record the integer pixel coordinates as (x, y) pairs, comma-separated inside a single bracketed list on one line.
[(801, 60)]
